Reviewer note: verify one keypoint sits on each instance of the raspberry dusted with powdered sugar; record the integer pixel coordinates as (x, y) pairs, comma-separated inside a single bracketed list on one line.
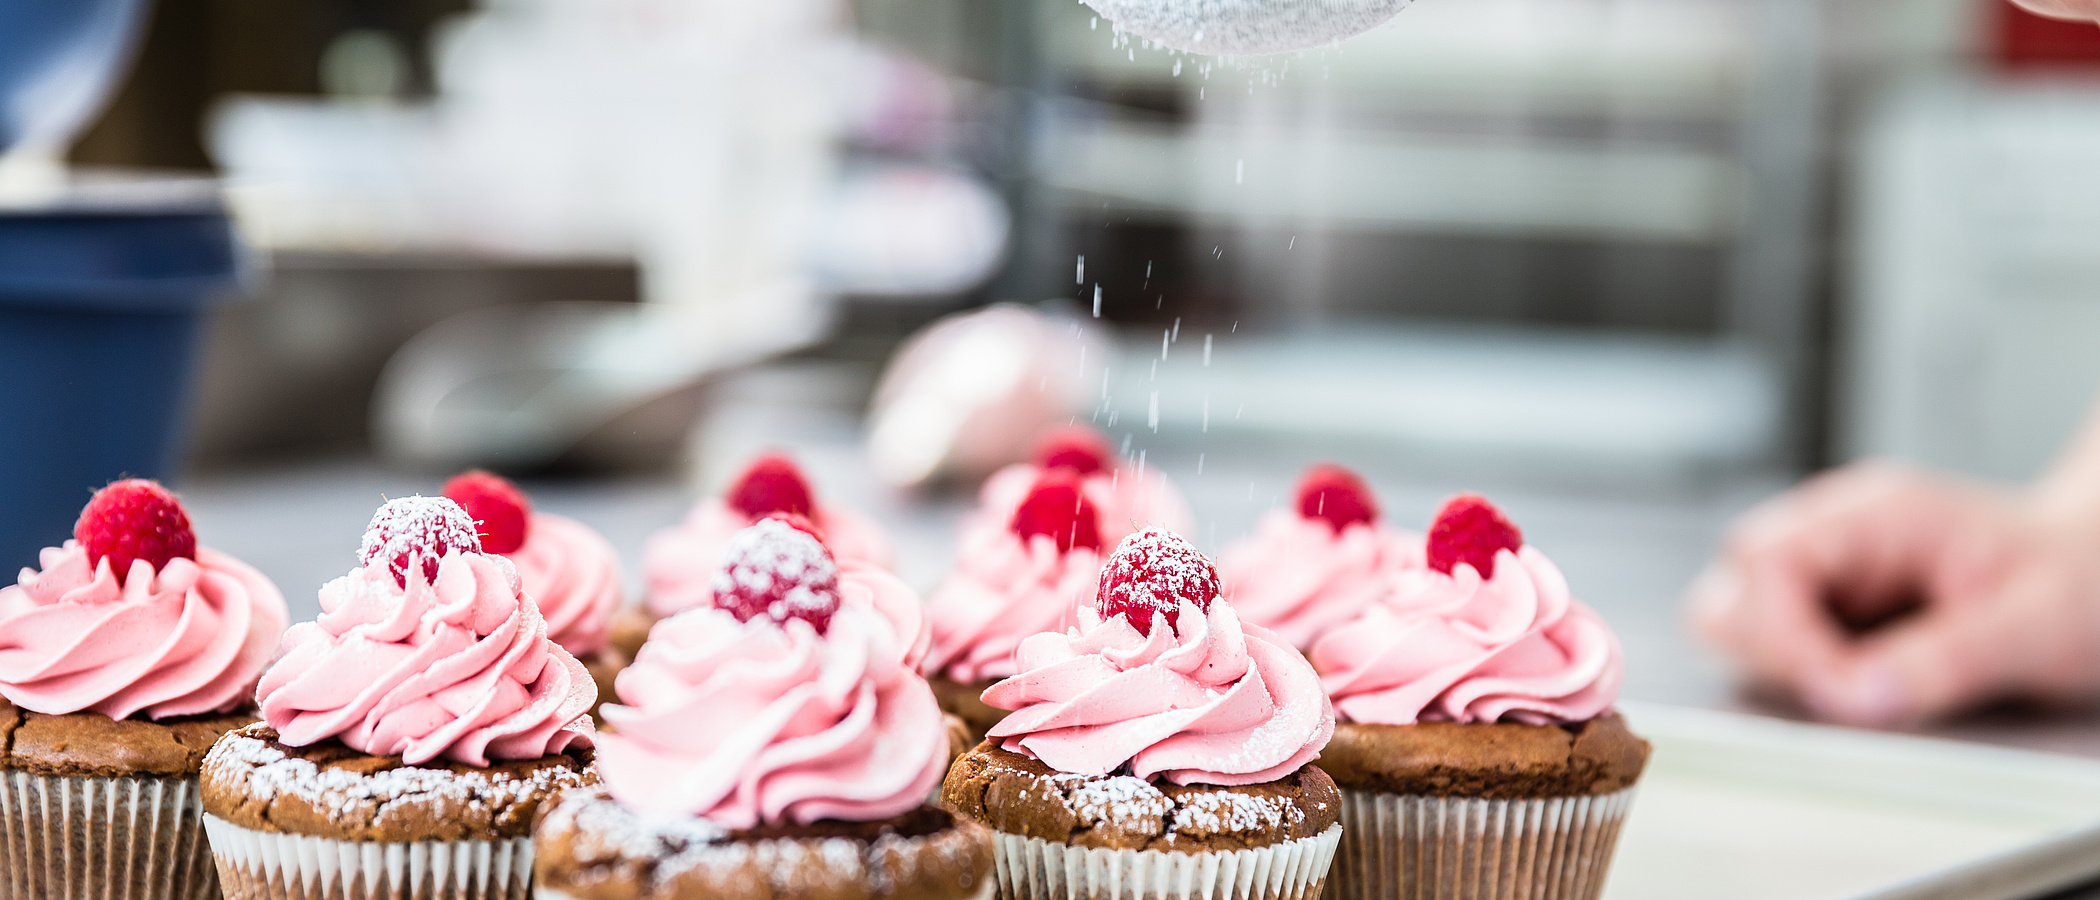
[(134, 519), (500, 511), (1470, 530), (1153, 571), (771, 483), (418, 528), (1337, 495), (1058, 508), (1075, 447), (780, 572)]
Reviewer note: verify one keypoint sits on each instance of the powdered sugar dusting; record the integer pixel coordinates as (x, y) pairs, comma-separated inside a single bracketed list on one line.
[(418, 527), (345, 795), (1118, 798), (1154, 570), (1223, 812), (779, 571)]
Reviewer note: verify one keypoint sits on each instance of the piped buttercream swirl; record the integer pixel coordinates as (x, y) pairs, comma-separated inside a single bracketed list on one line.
[(188, 639), (458, 667), (749, 722), (573, 573), (680, 562), (1299, 577), (1004, 589), (1216, 702), (1515, 647)]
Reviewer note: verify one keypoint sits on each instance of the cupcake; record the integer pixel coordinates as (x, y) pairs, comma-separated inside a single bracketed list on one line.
[(779, 743), (1126, 497), (1159, 748), (1476, 723), (1026, 576), (680, 562), (121, 659), (411, 735), (1319, 564), (569, 570)]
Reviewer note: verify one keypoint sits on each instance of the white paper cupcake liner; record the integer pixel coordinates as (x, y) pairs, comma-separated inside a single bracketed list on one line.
[(1412, 847), (128, 838), (1035, 869), (265, 865)]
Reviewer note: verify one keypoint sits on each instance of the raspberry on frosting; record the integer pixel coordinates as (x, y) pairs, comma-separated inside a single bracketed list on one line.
[(135, 519), (1153, 572), (1076, 447), (418, 528), (1058, 508), (501, 512), (778, 571), (1336, 495), (1469, 529), (772, 483)]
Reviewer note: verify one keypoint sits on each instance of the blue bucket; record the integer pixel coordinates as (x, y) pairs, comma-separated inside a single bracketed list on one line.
[(101, 309)]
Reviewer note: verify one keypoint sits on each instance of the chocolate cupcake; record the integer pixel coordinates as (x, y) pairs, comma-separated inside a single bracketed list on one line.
[(411, 734), (1477, 726), (779, 743), (1159, 748), (569, 570), (121, 659), (1013, 578)]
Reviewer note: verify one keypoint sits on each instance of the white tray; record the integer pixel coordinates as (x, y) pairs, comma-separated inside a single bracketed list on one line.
[(1736, 806)]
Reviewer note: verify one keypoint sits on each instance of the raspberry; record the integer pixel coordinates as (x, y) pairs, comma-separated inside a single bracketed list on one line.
[(1056, 507), (501, 511), (772, 483), (1154, 570), (134, 519), (1470, 530), (1075, 447), (799, 523), (1336, 494), (780, 572), (414, 528)]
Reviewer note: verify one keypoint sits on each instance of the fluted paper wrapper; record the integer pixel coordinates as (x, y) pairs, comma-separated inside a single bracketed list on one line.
[(66, 837), (1413, 847), (1035, 869), (265, 865)]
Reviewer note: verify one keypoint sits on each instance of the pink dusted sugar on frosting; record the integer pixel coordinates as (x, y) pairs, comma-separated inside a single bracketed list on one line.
[(679, 563), (456, 666), (1311, 568), (186, 639), (1458, 647), (1196, 697), (765, 721), (573, 573)]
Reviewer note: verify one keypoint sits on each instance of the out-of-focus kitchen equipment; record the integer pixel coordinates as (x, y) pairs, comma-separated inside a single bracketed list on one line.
[(1247, 26), (103, 289), (58, 61)]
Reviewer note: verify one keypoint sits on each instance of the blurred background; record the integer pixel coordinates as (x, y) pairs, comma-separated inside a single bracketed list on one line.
[(1625, 265)]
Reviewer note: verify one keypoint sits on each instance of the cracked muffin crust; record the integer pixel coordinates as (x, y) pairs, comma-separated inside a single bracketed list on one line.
[(1501, 760), (592, 847), (1015, 794), (94, 745), (331, 791)]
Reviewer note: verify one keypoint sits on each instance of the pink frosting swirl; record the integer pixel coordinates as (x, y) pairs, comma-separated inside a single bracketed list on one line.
[(458, 667), (680, 562), (188, 639), (1454, 647), (1004, 589), (1299, 577), (749, 722), (573, 573), (1125, 499), (1219, 703)]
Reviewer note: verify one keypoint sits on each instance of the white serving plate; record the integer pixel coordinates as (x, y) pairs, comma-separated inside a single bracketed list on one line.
[(1737, 806)]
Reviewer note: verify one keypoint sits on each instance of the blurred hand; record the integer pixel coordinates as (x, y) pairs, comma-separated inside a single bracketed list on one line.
[(1980, 594)]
